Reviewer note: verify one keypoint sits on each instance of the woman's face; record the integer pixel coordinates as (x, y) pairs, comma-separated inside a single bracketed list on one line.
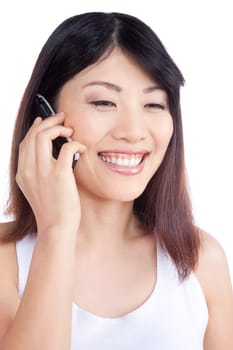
[(122, 116)]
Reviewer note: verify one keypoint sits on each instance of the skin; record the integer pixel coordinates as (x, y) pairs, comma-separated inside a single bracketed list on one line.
[(146, 127), (74, 244)]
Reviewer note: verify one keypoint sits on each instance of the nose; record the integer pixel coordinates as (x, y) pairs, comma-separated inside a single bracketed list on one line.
[(130, 125)]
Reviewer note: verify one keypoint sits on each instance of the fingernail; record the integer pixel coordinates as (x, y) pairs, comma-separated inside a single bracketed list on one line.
[(37, 120)]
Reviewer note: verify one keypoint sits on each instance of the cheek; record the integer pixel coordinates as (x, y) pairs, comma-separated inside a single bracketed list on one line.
[(163, 132), (86, 129)]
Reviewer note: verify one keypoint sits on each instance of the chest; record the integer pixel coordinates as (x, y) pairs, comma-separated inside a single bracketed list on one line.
[(114, 285)]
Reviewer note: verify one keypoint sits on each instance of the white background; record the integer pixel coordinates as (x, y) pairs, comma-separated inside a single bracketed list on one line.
[(198, 35)]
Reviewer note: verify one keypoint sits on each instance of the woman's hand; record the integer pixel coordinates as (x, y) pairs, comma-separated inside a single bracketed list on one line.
[(49, 184)]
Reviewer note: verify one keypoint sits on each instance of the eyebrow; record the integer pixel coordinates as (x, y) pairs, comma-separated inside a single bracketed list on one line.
[(117, 88), (153, 88), (105, 84)]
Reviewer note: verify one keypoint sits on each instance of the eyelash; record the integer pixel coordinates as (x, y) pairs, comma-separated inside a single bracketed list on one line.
[(156, 105), (105, 103)]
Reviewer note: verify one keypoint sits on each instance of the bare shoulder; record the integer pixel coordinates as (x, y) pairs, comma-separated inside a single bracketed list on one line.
[(210, 247), (214, 277), (8, 260), (212, 265), (9, 297), (212, 268)]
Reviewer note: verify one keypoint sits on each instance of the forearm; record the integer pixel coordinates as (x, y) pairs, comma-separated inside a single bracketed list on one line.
[(43, 319)]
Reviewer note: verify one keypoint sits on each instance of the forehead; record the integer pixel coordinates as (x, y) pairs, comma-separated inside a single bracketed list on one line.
[(116, 67)]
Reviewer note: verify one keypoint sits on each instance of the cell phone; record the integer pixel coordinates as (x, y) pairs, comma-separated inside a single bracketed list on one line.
[(43, 109)]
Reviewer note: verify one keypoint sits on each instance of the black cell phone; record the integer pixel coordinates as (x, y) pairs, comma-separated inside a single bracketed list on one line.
[(43, 109), (43, 106)]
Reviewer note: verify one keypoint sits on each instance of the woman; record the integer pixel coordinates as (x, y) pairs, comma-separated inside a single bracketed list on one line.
[(104, 254)]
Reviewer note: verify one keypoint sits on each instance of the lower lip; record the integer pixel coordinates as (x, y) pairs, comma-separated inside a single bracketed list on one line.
[(125, 170)]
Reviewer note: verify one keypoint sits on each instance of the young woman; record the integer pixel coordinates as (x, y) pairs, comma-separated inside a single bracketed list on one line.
[(103, 252)]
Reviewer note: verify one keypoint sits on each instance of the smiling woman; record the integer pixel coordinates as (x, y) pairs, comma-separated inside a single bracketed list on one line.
[(99, 248), (125, 121)]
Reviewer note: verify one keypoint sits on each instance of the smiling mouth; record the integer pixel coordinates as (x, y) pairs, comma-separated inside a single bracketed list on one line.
[(126, 160)]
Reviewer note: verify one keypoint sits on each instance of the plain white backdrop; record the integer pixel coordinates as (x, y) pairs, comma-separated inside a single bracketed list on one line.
[(198, 35)]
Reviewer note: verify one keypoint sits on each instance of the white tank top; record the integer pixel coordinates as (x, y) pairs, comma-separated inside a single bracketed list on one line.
[(174, 317)]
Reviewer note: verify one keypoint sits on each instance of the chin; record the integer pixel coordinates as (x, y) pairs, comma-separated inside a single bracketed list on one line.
[(125, 195)]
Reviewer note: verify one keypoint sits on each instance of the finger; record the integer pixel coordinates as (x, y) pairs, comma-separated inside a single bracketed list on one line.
[(28, 148), (40, 124), (36, 121), (43, 143), (26, 155), (23, 144), (67, 152)]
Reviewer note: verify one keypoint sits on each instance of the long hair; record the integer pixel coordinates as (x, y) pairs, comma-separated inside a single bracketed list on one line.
[(164, 207)]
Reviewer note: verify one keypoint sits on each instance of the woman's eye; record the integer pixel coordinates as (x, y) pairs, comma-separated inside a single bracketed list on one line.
[(103, 103), (155, 106)]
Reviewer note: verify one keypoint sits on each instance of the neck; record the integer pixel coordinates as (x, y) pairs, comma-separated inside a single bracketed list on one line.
[(107, 223)]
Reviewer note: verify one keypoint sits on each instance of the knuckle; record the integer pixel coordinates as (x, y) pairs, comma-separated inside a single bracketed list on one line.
[(61, 129), (18, 178), (24, 174), (57, 130), (22, 144), (22, 178), (40, 136)]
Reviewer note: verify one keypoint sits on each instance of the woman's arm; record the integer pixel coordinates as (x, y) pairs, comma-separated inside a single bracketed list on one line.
[(213, 274), (42, 319)]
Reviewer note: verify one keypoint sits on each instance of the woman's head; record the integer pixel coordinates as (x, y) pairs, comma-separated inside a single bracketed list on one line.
[(83, 40), (122, 117), (79, 42)]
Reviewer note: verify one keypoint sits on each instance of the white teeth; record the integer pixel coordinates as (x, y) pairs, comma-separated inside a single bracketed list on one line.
[(130, 161)]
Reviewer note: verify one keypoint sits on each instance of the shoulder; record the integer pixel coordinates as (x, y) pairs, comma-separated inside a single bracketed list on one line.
[(210, 250), (8, 260), (212, 267), (212, 263), (213, 275), (9, 298)]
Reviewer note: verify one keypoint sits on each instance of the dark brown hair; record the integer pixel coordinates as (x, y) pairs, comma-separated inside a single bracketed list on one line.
[(164, 207)]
